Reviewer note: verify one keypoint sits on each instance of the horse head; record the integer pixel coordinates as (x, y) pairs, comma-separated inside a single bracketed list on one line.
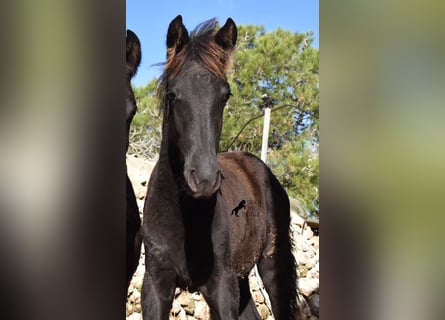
[(133, 61), (195, 93)]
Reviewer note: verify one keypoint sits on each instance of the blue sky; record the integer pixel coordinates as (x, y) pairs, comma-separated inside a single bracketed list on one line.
[(150, 20)]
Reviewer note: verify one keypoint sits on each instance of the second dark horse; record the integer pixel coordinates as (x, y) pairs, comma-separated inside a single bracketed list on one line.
[(133, 220)]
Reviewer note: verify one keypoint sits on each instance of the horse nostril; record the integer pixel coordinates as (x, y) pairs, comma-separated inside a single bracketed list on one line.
[(192, 174), (193, 182)]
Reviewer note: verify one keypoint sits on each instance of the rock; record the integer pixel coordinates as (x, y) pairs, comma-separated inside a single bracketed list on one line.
[(135, 316), (130, 288), (308, 233), (136, 296), (307, 286), (298, 246), (263, 311), (141, 203), (176, 308), (310, 264), (139, 171), (302, 271), (301, 258), (309, 254), (202, 311), (312, 274), (316, 244), (182, 315), (129, 308), (305, 247), (296, 220), (197, 296), (258, 297), (187, 302)]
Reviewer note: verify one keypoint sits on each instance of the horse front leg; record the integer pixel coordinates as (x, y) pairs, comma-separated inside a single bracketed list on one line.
[(221, 293), (157, 295)]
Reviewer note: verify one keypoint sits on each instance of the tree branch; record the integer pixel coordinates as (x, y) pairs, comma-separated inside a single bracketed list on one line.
[(262, 115)]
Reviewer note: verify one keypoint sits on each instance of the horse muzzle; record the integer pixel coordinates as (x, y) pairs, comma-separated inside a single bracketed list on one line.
[(203, 184)]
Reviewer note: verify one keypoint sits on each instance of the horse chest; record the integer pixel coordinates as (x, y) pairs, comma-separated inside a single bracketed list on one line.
[(184, 246)]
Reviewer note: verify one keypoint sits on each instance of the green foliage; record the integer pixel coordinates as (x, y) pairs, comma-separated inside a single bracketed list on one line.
[(145, 132), (285, 67)]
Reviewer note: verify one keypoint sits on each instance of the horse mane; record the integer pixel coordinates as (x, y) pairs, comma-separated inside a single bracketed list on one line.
[(201, 48)]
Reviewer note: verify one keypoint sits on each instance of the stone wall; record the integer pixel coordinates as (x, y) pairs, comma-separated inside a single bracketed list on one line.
[(191, 306)]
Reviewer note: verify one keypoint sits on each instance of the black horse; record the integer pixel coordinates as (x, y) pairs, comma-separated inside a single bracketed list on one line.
[(191, 238), (133, 221)]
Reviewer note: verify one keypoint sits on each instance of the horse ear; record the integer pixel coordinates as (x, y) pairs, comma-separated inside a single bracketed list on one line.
[(226, 36), (177, 36), (133, 52)]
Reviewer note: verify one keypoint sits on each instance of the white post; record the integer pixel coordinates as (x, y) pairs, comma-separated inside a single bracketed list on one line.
[(265, 134)]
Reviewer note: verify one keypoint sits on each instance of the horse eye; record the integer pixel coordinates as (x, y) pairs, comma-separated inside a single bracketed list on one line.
[(227, 96), (171, 96)]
